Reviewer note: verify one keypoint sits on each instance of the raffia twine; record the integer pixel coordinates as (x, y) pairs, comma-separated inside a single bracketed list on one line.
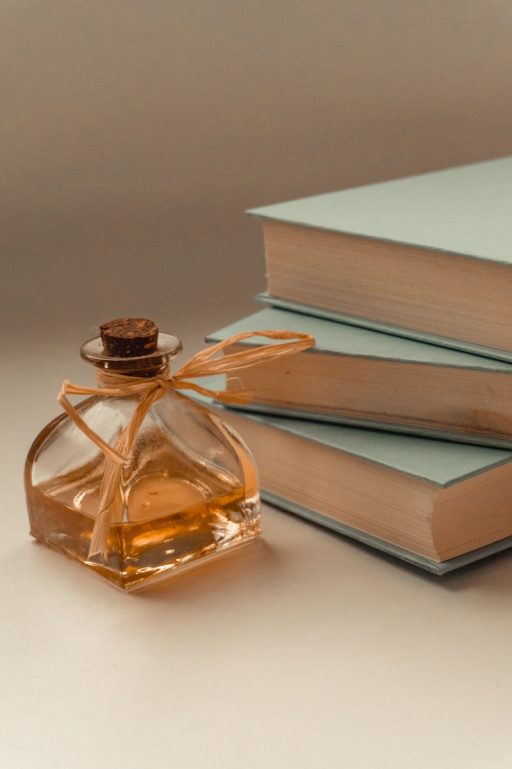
[(149, 390)]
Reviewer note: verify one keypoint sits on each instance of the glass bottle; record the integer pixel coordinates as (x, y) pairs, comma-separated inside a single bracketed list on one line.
[(189, 492)]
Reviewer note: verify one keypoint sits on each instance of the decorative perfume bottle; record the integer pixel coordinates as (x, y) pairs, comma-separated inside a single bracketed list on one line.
[(139, 481)]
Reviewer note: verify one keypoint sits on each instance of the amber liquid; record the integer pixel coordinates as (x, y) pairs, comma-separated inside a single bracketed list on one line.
[(160, 523)]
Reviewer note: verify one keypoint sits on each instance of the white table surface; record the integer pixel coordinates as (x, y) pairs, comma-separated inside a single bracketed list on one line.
[(304, 650)]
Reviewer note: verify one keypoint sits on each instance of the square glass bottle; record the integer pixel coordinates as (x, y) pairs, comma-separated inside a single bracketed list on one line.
[(188, 491)]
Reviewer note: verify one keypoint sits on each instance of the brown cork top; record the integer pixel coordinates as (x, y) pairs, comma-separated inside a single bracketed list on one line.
[(129, 337)]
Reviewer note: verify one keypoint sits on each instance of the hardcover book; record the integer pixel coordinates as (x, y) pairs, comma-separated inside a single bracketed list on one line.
[(428, 257), (435, 504), (363, 377)]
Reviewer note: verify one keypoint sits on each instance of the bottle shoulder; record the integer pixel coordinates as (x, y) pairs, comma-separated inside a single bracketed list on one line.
[(173, 426)]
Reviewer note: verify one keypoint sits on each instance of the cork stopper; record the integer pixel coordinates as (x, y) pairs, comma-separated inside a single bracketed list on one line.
[(129, 337)]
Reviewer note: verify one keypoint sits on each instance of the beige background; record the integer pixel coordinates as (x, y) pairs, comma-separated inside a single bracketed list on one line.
[(133, 136)]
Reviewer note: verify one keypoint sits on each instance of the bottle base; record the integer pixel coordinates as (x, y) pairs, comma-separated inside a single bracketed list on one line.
[(134, 580)]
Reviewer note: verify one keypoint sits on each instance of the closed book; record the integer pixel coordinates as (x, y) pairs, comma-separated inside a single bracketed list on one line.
[(436, 504), (363, 377), (428, 257)]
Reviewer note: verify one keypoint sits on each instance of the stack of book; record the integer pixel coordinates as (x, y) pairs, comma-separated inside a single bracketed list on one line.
[(396, 428)]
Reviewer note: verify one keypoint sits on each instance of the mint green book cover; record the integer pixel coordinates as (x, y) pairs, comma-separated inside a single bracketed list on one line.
[(440, 463), (384, 328), (434, 567), (464, 211), (348, 340)]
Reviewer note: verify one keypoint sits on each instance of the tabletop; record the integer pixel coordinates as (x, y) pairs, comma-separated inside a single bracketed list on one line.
[(302, 650)]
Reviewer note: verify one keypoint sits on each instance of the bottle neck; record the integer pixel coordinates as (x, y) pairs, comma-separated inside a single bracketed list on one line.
[(108, 375)]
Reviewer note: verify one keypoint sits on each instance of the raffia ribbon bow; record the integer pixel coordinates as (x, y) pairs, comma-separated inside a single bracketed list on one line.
[(150, 390)]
